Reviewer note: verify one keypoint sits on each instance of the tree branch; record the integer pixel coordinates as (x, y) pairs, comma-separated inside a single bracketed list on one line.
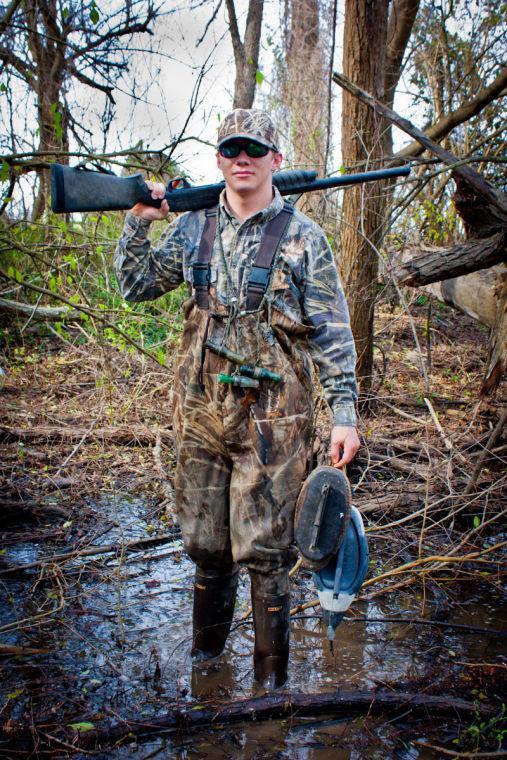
[(399, 28), (51, 313), (91, 83), (114, 34), (288, 706), (434, 265), (9, 13), (237, 45), (480, 185), (10, 58), (464, 112)]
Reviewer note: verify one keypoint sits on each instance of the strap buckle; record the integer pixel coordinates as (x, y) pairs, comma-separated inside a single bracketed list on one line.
[(201, 274), (259, 277)]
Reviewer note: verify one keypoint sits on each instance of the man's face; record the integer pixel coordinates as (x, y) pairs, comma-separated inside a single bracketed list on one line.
[(247, 175)]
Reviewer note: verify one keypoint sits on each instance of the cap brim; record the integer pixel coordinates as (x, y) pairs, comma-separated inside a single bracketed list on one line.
[(244, 136)]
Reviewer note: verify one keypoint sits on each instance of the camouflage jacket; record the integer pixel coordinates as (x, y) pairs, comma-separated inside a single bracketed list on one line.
[(305, 283)]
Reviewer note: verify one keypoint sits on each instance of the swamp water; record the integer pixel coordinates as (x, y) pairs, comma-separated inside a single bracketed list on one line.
[(118, 646)]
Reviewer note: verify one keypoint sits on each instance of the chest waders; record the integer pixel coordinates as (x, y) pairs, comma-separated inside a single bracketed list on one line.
[(241, 451)]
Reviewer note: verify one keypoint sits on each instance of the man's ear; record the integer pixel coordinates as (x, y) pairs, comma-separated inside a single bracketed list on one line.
[(276, 161)]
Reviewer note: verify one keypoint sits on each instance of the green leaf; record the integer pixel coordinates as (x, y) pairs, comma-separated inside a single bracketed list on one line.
[(477, 521), (82, 727), (14, 694), (65, 13), (94, 14), (3, 88), (4, 171), (57, 120), (71, 259), (14, 274), (259, 77)]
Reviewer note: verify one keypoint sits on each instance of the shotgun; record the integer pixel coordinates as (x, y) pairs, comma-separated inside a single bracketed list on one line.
[(79, 189)]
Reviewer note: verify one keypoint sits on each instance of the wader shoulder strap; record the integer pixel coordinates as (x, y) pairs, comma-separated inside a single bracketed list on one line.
[(201, 267), (260, 273)]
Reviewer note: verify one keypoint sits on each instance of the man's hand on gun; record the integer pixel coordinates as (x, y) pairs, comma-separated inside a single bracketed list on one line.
[(151, 213)]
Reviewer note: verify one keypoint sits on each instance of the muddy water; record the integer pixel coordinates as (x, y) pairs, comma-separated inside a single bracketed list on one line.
[(120, 647)]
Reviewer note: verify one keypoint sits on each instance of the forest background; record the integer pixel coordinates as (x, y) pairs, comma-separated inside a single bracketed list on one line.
[(353, 85)]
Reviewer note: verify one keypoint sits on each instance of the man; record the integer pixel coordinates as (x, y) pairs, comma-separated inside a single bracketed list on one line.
[(263, 284)]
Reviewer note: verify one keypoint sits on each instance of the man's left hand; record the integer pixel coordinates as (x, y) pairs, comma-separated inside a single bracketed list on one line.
[(344, 445)]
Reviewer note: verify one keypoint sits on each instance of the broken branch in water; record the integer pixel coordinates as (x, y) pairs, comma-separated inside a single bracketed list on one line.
[(291, 705), (116, 548)]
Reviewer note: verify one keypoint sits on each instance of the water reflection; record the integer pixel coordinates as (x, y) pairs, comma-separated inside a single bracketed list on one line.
[(122, 644)]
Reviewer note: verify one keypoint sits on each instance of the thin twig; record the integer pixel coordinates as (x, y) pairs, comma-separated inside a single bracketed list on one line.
[(93, 550), (493, 438)]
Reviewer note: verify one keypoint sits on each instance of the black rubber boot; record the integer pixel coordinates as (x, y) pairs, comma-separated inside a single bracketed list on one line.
[(214, 600), (271, 626)]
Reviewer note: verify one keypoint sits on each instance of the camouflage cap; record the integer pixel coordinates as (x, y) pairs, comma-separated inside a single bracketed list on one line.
[(249, 123)]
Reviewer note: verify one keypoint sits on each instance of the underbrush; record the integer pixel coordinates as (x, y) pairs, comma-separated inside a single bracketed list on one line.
[(66, 267)]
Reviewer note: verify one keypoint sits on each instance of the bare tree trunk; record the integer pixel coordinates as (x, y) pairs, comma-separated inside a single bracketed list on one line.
[(246, 53), (364, 51), (305, 85), (399, 28), (48, 54)]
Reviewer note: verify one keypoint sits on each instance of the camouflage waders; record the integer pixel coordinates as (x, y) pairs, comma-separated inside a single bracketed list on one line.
[(241, 453)]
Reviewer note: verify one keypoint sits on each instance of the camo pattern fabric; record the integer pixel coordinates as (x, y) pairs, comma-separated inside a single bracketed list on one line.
[(241, 453), (304, 292), (252, 122)]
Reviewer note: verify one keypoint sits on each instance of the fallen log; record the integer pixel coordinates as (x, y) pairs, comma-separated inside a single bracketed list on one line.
[(291, 705), (428, 265), (482, 296), (127, 436), (45, 313)]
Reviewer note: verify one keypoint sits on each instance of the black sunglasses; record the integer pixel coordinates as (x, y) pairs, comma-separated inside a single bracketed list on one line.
[(233, 148)]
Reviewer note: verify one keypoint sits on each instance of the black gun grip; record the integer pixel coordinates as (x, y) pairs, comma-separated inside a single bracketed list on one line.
[(144, 195)]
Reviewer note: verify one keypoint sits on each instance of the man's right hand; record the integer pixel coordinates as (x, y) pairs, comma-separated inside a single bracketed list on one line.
[(151, 213)]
